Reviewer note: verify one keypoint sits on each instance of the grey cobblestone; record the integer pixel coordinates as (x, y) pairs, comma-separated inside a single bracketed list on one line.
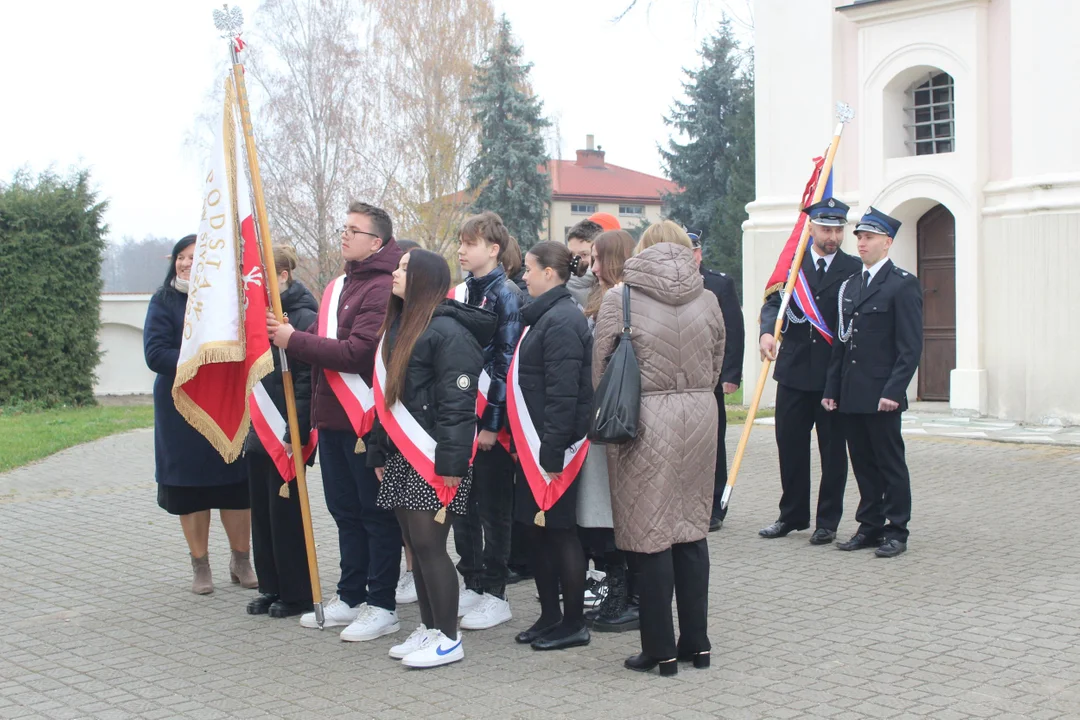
[(980, 619)]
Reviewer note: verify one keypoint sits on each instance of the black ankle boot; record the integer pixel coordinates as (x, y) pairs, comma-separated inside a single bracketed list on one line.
[(616, 614), (700, 659), (644, 663), (261, 605)]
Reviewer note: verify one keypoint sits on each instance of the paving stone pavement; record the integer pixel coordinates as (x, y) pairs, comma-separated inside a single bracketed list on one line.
[(980, 619)]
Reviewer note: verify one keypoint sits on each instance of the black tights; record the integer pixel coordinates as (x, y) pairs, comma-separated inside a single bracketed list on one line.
[(558, 560), (433, 570)]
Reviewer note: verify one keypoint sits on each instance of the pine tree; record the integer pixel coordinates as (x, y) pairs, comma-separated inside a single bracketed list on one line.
[(715, 167), (507, 169)]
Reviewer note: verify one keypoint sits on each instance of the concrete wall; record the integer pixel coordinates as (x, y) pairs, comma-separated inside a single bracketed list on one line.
[(122, 369)]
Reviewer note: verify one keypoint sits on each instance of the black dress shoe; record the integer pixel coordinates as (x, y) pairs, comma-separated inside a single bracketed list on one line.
[(644, 663), (859, 541), (779, 529), (715, 524), (700, 659), (261, 605), (284, 609), (515, 576), (527, 636), (822, 536), (574, 639), (891, 548)]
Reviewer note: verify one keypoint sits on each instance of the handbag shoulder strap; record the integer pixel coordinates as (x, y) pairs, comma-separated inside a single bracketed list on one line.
[(626, 308)]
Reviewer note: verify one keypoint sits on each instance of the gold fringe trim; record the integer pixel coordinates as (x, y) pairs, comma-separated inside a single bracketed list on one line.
[(217, 351), (360, 446), (284, 491), (540, 520), (771, 289), (440, 517)]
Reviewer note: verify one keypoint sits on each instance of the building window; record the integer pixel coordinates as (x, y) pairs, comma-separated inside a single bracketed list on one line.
[(582, 208), (635, 210), (931, 115)]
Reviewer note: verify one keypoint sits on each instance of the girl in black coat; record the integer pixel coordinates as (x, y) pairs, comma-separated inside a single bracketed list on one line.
[(277, 531), (427, 369), (553, 374)]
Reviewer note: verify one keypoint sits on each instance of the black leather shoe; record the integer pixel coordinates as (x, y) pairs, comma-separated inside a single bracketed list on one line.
[(822, 536), (891, 548), (527, 636), (859, 541), (715, 524), (576, 639), (700, 659), (283, 609), (779, 529), (261, 605), (644, 663), (515, 576)]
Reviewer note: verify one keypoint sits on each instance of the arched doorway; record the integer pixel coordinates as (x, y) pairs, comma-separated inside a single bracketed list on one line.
[(937, 275)]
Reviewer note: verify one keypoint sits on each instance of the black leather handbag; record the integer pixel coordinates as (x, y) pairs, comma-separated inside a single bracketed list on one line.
[(617, 401)]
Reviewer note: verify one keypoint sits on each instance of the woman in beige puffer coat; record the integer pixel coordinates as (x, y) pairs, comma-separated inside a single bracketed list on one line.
[(662, 482)]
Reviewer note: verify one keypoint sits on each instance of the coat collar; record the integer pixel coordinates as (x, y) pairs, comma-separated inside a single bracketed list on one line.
[(482, 284), (880, 278), (536, 309), (834, 274)]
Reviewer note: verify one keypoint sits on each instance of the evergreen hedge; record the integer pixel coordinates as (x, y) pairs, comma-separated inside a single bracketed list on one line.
[(51, 242)]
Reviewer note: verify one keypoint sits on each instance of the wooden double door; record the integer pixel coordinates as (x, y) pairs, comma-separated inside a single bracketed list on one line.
[(937, 275)]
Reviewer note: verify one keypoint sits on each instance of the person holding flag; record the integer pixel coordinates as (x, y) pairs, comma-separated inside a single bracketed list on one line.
[(427, 371), (549, 400), (801, 366)]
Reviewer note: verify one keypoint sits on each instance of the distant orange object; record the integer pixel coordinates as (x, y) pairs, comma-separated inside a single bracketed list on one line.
[(606, 221)]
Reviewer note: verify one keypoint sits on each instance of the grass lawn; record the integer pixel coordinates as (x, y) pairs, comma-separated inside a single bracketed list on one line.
[(29, 436), (736, 413)]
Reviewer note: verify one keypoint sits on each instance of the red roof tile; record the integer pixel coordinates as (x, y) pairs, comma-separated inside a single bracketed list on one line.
[(569, 180)]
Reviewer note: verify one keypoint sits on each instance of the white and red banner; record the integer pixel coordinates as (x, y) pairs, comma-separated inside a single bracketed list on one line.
[(546, 487), (225, 349), (355, 396), (270, 426), (459, 292), (410, 438)]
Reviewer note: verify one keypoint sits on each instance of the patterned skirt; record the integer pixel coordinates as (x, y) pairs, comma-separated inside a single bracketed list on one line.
[(403, 487)]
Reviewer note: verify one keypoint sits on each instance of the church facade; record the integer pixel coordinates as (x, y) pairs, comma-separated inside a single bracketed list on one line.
[(965, 130)]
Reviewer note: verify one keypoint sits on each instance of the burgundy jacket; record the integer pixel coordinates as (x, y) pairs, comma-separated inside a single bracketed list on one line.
[(361, 311)]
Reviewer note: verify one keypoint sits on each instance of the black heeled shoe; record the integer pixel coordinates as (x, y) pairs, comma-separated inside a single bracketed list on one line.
[(261, 605), (700, 659), (644, 663)]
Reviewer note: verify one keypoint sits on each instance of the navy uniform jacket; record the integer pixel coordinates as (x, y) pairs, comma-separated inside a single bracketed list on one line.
[(803, 360), (880, 358), (723, 287)]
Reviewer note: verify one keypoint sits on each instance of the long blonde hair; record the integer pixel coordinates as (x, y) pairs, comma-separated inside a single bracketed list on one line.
[(662, 232), (613, 248)]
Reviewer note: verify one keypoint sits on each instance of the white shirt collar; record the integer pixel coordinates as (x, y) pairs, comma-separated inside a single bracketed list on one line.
[(873, 269), (818, 256)]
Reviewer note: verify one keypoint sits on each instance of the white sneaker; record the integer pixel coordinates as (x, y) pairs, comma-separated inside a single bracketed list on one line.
[(372, 622), (467, 600), (490, 612), (595, 588), (406, 589), (420, 638), (336, 613), (439, 650)]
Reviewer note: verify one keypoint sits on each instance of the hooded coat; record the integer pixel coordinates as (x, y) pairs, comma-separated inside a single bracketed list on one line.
[(662, 482)]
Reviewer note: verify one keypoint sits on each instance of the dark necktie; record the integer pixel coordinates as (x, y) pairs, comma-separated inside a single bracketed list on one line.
[(820, 270), (865, 278)]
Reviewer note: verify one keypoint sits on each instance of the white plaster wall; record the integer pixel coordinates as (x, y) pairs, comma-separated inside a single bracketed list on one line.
[(122, 369), (562, 218)]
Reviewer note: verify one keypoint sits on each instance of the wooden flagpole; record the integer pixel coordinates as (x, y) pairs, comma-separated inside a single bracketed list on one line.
[(230, 22), (844, 114)]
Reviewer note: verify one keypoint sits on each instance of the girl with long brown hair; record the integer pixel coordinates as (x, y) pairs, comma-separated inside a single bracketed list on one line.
[(610, 251), (426, 372)]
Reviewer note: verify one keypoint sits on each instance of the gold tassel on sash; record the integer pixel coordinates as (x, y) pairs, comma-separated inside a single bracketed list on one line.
[(360, 446), (440, 517), (284, 491), (539, 519)]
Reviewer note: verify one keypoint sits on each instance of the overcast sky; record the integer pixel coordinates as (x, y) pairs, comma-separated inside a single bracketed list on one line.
[(114, 85)]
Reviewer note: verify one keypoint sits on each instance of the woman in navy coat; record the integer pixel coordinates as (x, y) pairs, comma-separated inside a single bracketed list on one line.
[(192, 477)]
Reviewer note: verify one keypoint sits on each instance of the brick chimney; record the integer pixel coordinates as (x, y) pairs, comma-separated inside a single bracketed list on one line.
[(590, 157)]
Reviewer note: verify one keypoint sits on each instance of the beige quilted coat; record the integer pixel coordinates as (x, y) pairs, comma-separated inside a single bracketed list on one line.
[(662, 482)]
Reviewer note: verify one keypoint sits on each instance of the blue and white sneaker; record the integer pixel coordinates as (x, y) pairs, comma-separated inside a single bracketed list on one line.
[(439, 650)]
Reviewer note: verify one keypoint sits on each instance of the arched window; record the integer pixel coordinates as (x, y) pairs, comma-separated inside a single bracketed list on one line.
[(930, 114)]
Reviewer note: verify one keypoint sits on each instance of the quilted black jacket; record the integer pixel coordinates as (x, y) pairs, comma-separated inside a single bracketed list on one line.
[(495, 293)]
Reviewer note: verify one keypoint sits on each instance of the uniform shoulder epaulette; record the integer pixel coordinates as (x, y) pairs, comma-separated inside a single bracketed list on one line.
[(900, 271)]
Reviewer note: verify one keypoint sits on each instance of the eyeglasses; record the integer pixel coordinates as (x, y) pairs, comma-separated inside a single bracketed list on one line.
[(353, 232)]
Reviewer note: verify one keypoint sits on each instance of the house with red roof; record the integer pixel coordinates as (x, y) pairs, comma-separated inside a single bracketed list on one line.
[(589, 184)]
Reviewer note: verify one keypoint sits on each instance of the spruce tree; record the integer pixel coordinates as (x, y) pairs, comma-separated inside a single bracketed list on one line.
[(507, 170), (717, 160)]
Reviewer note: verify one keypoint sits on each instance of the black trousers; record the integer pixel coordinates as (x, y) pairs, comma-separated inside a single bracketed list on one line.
[(797, 411), (720, 480), (519, 548), (277, 533), (368, 536), (482, 536), (682, 569), (877, 457)]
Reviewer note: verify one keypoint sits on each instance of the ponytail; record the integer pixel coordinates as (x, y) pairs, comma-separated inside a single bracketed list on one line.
[(556, 256)]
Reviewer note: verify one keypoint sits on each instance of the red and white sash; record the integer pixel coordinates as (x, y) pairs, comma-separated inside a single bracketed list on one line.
[(270, 426), (546, 487), (355, 396), (460, 292), (410, 438)]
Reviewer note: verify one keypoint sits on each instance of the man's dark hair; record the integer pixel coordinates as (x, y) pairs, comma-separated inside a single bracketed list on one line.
[(384, 228), (585, 230)]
